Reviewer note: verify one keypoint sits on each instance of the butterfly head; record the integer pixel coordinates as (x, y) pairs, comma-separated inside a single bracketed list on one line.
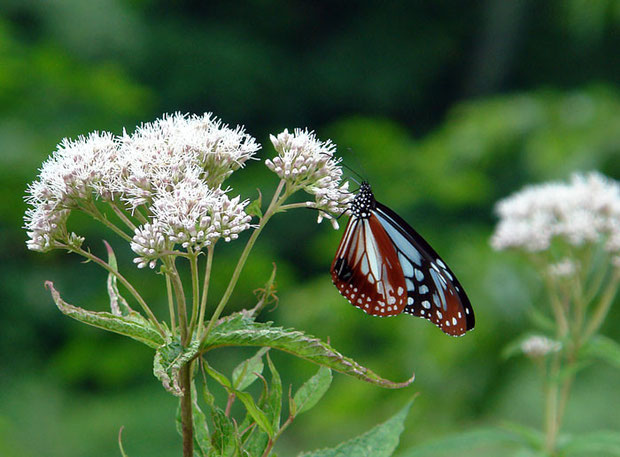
[(364, 202)]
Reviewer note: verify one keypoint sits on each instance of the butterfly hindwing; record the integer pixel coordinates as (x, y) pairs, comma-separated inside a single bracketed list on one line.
[(434, 292)]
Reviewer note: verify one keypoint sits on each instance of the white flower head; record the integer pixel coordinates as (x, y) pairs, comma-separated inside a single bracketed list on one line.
[(539, 346), (162, 153), (585, 210), (76, 173), (308, 163), (191, 215)]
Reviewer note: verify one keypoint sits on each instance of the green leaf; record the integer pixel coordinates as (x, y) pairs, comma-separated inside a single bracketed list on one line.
[(246, 372), (169, 358), (311, 391), (454, 444), (528, 436), (257, 414), (118, 304), (594, 443), (380, 441), (603, 348), (201, 429), (133, 325), (239, 329), (254, 208), (223, 438), (273, 406)]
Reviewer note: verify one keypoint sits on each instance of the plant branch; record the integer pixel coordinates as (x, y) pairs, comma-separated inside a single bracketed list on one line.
[(205, 288), (276, 201), (121, 278)]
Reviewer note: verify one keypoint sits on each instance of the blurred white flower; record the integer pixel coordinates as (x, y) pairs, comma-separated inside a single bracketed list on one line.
[(538, 346), (308, 163), (191, 215), (585, 210), (564, 268)]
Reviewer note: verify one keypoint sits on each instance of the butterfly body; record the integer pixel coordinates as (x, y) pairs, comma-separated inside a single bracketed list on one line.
[(384, 267)]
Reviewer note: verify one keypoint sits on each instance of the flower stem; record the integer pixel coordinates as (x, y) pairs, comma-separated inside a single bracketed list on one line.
[(603, 307), (193, 262), (205, 288), (177, 286), (170, 303), (276, 201)]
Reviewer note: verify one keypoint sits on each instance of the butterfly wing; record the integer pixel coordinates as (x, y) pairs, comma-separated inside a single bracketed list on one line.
[(433, 291), (366, 270)]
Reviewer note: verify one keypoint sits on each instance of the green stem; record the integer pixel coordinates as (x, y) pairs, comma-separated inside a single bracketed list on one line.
[(97, 215), (276, 201), (205, 288), (551, 405), (170, 303), (177, 286), (193, 262), (603, 307), (123, 281), (122, 216)]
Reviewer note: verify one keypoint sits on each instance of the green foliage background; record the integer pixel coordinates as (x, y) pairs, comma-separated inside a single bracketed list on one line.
[(444, 106)]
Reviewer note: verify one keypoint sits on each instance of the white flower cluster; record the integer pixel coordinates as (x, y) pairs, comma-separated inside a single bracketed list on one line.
[(538, 346), (585, 210), (170, 170), (162, 153), (308, 163), (192, 215), (76, 172)]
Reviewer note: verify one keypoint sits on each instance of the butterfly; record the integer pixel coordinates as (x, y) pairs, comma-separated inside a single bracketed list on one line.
[(384, 267)]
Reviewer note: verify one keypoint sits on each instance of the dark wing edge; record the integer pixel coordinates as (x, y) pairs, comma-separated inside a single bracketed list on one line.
[(420, 246)]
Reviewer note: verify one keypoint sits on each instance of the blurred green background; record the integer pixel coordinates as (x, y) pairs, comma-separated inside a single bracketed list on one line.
[(447, 106)]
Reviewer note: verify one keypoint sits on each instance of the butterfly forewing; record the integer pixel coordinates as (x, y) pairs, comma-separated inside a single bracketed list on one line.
[(366, 270), (433, 291)]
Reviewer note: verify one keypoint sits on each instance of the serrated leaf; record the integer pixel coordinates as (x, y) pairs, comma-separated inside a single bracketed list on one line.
[(118, 304), (134, 325), (246, 372), (380, 441), (594, 443), (239, 329), (168, 361), (603, 348), (311, 391), (454, 444), (223, 438)]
